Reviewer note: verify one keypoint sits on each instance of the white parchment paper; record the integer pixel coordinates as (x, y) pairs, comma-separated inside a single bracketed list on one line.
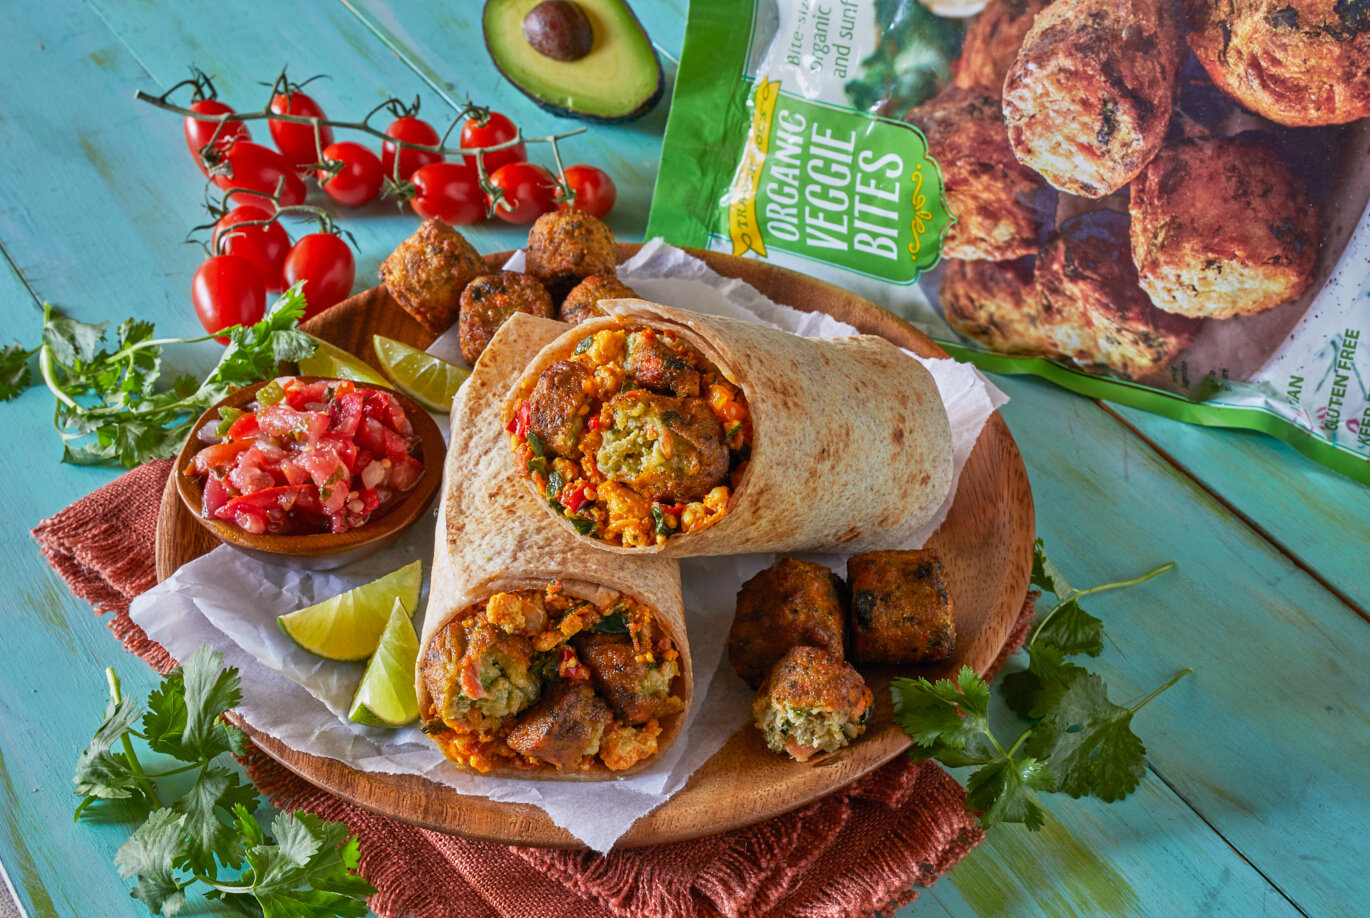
[(230, 601)]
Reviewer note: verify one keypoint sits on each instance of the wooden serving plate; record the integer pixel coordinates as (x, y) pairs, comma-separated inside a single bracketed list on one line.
[(985, 543)]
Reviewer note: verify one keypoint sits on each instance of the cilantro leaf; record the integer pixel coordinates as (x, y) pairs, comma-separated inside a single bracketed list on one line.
[(942, 714), (207, 834), (1029, 692), (70, 341), (99, 773), (306, 873), (1045, 575), (1089, 742), (14, 370), (209, 691), (1072, 630), (1003, 791), (149, 854)]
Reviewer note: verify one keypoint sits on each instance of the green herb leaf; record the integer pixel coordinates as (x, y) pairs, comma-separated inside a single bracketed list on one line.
[(209, 691), (1045, 576), (584, 344), (14, 370), (536, 445), (555, 482), (70, 341), (1072, 630), (615, 622), (1030, 692), (583, 524), (942, 714), (659, 524), (208, 835), (100, 773), (1003, 791), (150, 855)]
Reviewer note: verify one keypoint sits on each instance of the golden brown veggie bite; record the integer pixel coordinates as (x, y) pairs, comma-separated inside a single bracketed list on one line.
[(811, 702), (1297, 62), (427, 273), (1222, 228), (992, 42), (789, 604), (662, 392), (1088, 99), (511, 676)]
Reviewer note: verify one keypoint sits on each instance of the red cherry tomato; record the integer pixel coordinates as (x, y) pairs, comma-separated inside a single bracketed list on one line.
[(495, 129), (528, 192), (325, 263), (410, 130), (226, 291), (263, 246), (198, 132), (297, 142), (595, 191), (358, 181), (257, 168), (448, 190)]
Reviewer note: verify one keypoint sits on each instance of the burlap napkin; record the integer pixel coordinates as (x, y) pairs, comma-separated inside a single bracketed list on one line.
[(864, 849)]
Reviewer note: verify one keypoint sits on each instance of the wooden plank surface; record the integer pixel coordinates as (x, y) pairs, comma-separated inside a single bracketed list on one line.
[(1258, 758)]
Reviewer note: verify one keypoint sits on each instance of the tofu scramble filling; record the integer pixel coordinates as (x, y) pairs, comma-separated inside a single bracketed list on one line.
[(635, 438), (804, 732), (540, 680)]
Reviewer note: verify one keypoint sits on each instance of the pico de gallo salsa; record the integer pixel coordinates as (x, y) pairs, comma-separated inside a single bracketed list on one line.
[(307, 457), (635, 437)]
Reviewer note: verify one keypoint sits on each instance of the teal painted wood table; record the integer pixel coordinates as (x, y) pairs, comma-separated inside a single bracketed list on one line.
[(1258, 785)]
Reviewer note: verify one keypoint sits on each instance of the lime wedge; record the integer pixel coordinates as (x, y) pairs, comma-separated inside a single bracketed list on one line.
[(336, 363), (348, 626), (424, 378), (385, 697)]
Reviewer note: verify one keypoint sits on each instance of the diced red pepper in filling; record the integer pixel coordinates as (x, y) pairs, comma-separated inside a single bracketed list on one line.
[(576, 499)]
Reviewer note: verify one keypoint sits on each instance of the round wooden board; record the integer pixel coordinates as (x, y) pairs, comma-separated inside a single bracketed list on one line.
[(986, 545)]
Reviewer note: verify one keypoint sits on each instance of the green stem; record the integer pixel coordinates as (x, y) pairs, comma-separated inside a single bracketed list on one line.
[(1169, 565), (1019, 741), (45, 367), (134, 765), (1173, 679), (174, 771)]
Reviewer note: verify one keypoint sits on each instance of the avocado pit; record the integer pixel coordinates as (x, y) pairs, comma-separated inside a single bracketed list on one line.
[(559, 29)]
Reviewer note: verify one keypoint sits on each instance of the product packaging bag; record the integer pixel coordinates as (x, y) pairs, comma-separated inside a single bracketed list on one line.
[(1158, 205)]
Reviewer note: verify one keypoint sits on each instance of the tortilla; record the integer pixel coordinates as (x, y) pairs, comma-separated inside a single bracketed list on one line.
[(851, 445), (492, 537)]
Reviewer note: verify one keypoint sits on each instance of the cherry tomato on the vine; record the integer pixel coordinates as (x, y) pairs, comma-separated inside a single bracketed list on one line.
[(358, 181), (528, 192), (409, 130), (448, 190), (325, 263), (263, 246), (495, 129), (297, 142), (198, 132), (227, 290), (595, 191), (254, 167)]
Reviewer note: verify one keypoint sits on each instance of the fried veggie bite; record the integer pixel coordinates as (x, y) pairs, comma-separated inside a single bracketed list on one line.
[(565, 247), (636, 685), (992, 42), (583, 301), (427, 273), (488, 302), (996, 304), (1296, 62), (1101, 316), (789, 604), (1088, 100), (901, 610), (1222, 228), (996, 200), (811, 702)]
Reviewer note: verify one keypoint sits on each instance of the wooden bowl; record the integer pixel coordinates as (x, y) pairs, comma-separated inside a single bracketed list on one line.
[(320, 550)]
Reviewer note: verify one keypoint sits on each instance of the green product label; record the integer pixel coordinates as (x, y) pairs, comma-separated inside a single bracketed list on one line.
[(836, 186)]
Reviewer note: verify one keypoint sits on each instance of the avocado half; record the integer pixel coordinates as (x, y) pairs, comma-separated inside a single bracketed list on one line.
[(618, 80)]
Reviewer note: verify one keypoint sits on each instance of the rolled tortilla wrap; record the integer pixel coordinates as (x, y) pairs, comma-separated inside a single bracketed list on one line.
[(492, 538), (850, 444)]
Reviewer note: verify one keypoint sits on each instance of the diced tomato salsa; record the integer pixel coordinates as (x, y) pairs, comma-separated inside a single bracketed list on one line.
[(307, 457)]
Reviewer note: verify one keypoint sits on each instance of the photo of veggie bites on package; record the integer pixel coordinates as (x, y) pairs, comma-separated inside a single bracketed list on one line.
[(1163, 204)]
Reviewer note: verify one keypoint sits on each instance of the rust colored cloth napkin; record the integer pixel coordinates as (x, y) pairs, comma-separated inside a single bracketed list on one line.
[(866, 848)]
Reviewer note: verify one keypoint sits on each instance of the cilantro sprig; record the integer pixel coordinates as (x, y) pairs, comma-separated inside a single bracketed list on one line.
[(201, 838), (110, 406), (1077, 741)]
